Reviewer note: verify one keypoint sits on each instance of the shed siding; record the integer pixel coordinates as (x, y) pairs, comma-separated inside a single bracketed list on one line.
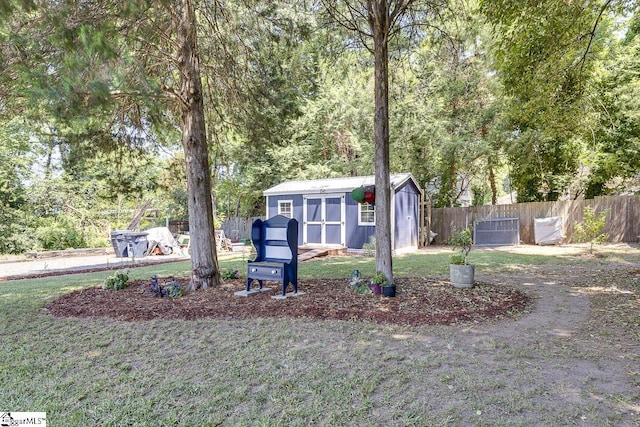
[(356, 235), (272, 209)]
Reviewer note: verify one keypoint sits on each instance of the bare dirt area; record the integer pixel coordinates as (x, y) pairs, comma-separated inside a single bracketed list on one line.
[(582, 335), (16, 268), (419, 301)]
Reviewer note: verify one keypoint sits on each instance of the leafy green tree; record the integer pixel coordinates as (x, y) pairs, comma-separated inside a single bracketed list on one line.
[(276, 47), (333, 136), (136, 62), (415, 128), (616, 136), (172, 187), (446, 108), (545, 55), (16, 162), (590, 228)]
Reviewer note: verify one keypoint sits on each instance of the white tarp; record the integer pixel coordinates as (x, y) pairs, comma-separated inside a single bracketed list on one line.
[(162, 237), (548, 231)]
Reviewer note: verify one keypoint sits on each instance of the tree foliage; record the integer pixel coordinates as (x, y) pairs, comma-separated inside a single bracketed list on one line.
[(538, 95), (16, 161), (615, 143), (115, 69), (546, 55)]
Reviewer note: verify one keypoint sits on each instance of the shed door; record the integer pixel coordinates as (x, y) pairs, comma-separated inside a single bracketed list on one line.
[(324, 220)]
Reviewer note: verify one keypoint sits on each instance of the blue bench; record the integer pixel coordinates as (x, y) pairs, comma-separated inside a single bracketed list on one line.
[(276, 243)]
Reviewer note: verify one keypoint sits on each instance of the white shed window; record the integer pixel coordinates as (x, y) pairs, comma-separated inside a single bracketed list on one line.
[(366, 214), (285, 208)]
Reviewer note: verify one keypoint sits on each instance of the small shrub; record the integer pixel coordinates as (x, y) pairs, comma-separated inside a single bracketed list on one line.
[(117, 281), (369, 249), (590, 229), (95, 239), (379, 278), (462, 243), (361, 288), (457, 259), (173, 289), (59, 233), (228, 274)]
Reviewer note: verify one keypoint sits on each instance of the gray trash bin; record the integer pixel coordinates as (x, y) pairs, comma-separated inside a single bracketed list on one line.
[(119, 242), (136, 244)]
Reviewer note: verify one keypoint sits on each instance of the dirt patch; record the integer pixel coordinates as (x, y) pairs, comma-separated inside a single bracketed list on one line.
[(88, 269), (418, 301)]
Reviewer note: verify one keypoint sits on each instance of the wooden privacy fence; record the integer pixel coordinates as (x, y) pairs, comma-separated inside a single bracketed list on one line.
[(177, 226), (623, 218), (233, 227), (237, 227)]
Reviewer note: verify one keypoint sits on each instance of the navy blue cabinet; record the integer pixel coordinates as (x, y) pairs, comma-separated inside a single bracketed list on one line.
[(276, 243)]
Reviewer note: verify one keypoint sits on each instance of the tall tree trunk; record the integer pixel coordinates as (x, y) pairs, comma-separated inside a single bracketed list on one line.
[(204, 261), (492, 184), (379, 21)]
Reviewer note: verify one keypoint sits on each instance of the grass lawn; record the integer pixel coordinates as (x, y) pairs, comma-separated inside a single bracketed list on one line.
[(267, 372)]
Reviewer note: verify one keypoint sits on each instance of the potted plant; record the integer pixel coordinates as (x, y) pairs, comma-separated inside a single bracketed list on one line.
[(380, 285), (461, 273), (388, 289), (376, 283)]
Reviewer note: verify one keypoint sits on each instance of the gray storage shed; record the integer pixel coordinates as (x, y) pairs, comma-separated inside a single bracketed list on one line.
[(327, 215)]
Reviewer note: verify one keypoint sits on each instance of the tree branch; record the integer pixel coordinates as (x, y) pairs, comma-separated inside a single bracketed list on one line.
[(169, 94), (592, 35)]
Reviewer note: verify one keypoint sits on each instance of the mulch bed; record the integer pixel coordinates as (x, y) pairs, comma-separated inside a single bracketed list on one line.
[(418, 301)]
